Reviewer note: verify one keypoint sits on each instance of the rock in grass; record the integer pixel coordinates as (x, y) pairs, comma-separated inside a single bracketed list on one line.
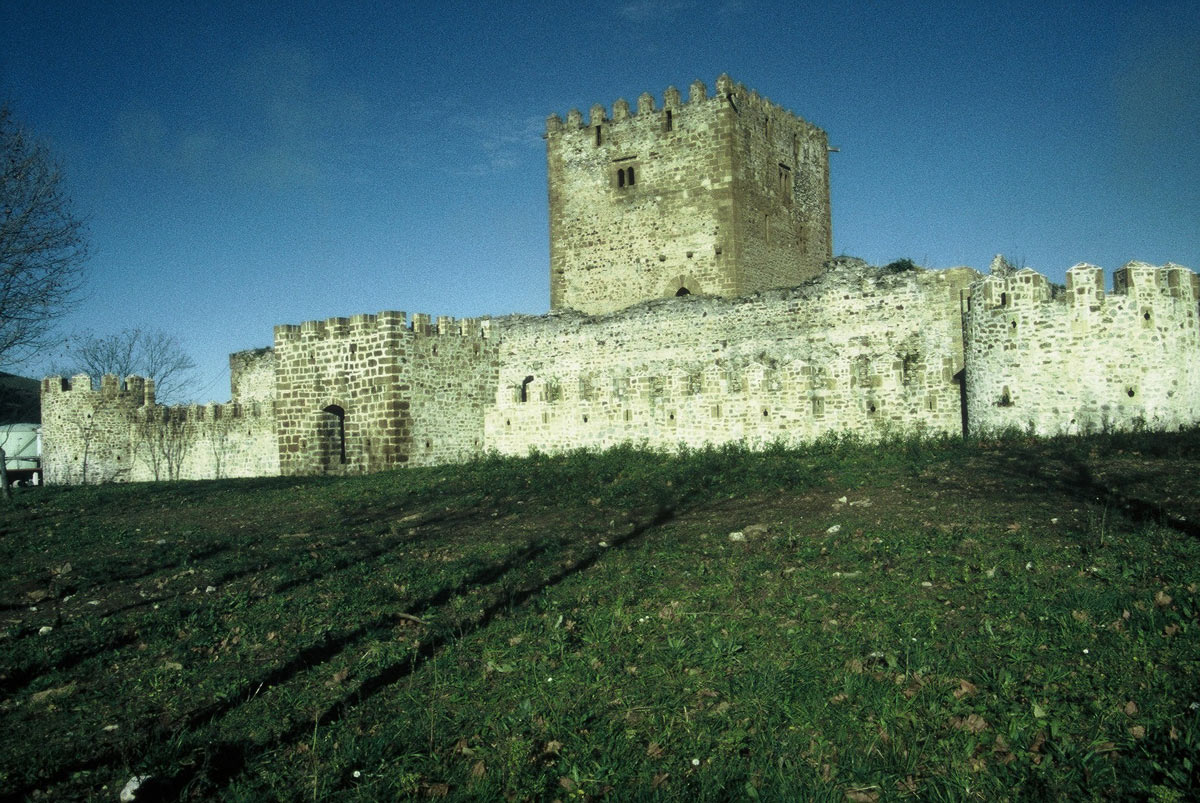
[(737, 536), (129, 793)]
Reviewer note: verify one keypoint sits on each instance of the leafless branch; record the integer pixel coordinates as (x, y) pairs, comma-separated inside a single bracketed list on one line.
[(146, 352), (43, 246)]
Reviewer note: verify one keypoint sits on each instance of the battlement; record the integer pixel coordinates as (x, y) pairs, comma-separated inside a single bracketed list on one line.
[(210, 412), (136, 389), (386, 322), (1080, 358), (1148, 284), (723, 194), (727, 92)]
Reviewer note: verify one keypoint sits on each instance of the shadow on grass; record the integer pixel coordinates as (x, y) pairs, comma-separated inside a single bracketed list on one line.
[(218, 763), (1071, 476), (221, 762)]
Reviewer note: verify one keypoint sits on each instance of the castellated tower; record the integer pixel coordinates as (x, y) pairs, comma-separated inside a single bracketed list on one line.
[(721, 195)]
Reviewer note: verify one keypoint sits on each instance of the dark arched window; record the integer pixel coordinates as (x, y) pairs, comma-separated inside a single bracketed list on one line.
[(331, 428), (629, 170), (683, 291), (621, 177)]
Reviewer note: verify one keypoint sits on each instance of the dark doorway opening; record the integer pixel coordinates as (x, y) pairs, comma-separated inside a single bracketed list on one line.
[(331, 435)]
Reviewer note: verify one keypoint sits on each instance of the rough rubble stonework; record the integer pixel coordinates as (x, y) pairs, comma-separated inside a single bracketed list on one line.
[(721, 195), (723, 200)]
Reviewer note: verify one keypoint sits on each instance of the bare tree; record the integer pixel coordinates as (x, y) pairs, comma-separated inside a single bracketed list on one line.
[(43, 246), (151, 353), (162, 439)]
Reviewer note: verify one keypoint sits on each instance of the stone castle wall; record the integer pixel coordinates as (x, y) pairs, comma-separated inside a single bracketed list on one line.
[(725, 200), (720, 195), (453, 370), (252, 376), (341, 394), (119, 434), (376, 391), (857, 350), (1049, 360)]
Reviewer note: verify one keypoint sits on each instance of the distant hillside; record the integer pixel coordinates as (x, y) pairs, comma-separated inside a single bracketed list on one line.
[(19, 400)]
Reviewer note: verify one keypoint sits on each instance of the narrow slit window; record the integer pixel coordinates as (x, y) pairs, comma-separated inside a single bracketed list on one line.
[(599, 137), (669, 124)]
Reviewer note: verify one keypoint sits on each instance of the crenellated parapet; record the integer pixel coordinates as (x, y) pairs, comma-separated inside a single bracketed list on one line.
[(728, 94), (1146, 286), (723, 193), (117, 432), (210, 413), (132, 391), (386, 323), (1081, 358)]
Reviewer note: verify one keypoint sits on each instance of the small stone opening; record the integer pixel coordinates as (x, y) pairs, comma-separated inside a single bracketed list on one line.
[(331, 435), (683, 291)]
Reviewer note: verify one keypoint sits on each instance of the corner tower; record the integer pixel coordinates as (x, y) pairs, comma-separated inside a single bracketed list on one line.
[(720, 195)]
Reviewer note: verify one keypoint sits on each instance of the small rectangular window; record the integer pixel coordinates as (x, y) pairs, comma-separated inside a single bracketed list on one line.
[(785, 182)]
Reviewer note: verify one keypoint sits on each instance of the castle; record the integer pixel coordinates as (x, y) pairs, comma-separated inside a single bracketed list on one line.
[(694, 300)]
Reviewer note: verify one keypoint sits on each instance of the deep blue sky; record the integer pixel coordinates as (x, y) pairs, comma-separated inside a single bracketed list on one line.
[(245, 164)]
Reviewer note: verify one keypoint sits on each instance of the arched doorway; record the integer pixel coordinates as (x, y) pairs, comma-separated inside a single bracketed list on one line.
[(682, 285), (331, 437)]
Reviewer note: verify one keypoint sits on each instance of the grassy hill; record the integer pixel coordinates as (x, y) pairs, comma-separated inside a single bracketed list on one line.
[(1011, 619)]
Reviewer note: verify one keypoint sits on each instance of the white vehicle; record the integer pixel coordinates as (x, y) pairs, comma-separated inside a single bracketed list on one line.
[(22, 444)]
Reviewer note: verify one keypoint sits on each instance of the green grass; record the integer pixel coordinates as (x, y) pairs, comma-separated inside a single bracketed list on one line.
[(922, 619)]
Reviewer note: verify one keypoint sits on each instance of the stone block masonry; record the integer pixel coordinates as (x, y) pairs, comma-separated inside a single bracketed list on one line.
[(856, 350), (694, 302), (721, 195), (374, 391), (119, 434), (1053, 360)]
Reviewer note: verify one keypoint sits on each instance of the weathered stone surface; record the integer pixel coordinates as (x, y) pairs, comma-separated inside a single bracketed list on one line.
[(1052, 361), (720, 196), (724, 199)]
